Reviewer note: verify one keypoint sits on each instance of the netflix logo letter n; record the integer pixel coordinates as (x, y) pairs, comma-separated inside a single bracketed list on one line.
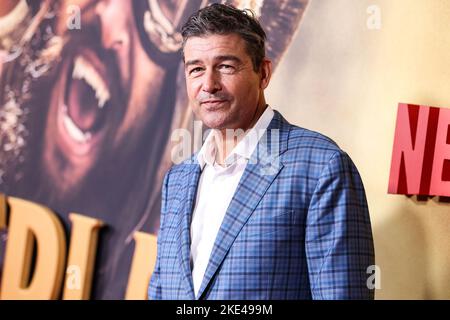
[(421, 154)]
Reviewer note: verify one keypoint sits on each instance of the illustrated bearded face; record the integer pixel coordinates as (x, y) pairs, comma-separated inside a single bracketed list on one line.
[(106, 92)]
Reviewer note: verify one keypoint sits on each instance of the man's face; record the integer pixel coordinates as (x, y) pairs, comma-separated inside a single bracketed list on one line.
[(223, 88), (105, 93)]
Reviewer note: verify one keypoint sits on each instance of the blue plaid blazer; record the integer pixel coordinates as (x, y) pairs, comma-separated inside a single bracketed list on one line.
[(297, 227)]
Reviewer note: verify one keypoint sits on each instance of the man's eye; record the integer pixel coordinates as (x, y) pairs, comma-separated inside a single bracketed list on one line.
[(226, 67), (195, 70)]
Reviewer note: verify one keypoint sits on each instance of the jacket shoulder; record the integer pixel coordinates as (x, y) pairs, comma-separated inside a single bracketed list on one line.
[(311, 143)]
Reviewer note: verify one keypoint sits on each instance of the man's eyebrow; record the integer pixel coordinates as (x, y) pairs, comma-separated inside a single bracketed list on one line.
[(228, 58), (191, 62), (217, 58)]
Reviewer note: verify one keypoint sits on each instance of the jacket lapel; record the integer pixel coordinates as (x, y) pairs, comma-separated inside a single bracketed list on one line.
[(262, 168), (191, 174)]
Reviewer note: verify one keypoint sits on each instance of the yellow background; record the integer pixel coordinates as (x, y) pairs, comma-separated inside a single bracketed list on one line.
[(345, 80)]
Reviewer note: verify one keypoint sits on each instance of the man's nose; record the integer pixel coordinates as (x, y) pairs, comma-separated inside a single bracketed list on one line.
[(211, 82)]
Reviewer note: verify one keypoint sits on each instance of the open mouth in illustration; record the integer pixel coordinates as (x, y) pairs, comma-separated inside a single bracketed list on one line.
[(84, 104)]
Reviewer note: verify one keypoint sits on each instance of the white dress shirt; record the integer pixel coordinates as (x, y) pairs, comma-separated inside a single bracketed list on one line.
[(216, 188)]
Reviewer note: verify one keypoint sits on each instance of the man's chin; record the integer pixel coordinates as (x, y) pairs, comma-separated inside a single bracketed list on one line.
[(218, 119)]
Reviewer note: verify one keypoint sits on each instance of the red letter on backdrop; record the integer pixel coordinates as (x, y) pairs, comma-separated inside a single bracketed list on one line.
[(409, 149), (421, 155), (440, 179)]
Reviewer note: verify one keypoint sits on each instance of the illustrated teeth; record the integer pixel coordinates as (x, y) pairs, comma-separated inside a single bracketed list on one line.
[(103, 97), (73, 130), (83, 70)]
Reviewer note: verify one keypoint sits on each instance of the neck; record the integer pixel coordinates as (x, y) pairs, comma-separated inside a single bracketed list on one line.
[(226, 141)]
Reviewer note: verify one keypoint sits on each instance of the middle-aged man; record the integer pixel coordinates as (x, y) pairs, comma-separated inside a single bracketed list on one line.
[(265, 209)]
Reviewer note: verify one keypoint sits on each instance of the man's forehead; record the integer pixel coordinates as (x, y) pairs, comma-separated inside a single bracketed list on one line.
[(215, 47)]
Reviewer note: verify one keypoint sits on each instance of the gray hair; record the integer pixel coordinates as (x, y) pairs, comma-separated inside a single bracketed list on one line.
[(225, 19)]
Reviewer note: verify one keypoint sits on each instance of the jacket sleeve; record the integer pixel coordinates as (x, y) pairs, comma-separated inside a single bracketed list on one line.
[(154, 288), (339, 243)]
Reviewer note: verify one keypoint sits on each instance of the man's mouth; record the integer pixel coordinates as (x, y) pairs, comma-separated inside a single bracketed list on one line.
[(212, 105)]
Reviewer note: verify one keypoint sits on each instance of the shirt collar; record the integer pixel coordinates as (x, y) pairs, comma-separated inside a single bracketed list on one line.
[(244, 149)]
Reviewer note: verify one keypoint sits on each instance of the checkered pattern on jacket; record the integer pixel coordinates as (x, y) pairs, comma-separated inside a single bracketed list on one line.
[(298, 226)]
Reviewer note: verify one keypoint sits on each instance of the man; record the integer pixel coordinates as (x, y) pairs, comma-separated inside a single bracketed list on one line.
[(265, 210)]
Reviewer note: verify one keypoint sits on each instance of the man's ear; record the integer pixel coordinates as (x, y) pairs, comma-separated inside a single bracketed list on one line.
[(266, 73)]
